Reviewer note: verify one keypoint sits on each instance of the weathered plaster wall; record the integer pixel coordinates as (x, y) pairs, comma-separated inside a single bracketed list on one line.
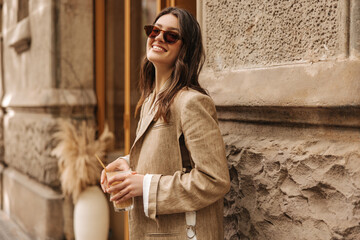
[(285, 78)]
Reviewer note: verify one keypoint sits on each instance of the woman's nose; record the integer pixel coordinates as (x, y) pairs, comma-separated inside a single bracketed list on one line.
[(160, 37)]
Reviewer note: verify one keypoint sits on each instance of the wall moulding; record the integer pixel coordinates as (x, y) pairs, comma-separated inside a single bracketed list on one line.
[(78, 112), (328, 117), (49, 98), (322, 84)]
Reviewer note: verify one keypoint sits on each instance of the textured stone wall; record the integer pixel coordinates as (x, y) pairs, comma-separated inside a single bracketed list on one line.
[(292, 182), (28, 146), (285, 77), (251, 33)]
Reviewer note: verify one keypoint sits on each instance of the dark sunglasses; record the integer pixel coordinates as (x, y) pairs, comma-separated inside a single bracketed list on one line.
[(169, 36)]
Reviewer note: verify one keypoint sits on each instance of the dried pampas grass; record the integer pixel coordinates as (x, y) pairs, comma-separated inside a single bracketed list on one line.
[(75, 150)]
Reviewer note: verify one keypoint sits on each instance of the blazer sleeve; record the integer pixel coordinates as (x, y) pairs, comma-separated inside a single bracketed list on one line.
[(209, 180)]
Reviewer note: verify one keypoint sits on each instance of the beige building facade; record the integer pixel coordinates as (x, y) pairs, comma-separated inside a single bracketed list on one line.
[(47, 74), (284, 75)]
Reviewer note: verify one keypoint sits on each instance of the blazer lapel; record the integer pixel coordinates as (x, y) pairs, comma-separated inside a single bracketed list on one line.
[(144, 125), (147, 118), (149, 113)]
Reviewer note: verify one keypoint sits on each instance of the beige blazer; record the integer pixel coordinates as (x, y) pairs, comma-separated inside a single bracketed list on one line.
[(193, 136)]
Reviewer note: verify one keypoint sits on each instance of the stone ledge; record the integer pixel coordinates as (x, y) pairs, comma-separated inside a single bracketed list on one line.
[(49, 97), (344, 116), (322, 84), (27, 202)]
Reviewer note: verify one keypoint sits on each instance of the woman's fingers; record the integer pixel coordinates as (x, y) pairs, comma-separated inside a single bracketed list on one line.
[(103, 181), (116, 188), (116, 178), (124, 198), (119, 196), (131, 186), (118, 164)]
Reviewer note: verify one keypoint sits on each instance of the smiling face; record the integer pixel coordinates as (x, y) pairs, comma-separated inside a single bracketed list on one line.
[(160, 53)]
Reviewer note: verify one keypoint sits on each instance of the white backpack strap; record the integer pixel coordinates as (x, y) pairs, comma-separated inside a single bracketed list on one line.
[(191, 225)]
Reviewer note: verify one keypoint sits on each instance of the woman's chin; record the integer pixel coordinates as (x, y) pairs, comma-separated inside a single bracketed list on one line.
[(159, 61), (156, 56)]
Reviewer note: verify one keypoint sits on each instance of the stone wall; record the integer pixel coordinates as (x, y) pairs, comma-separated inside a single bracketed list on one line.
[(256, 33), (285, 78), (30, 132), (52, 74), (292, 182), (48, 74)]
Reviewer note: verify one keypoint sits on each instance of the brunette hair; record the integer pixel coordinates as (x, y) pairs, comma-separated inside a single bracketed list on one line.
[(186, 68)]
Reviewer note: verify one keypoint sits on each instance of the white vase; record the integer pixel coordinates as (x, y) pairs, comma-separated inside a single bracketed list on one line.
[(91, 215)]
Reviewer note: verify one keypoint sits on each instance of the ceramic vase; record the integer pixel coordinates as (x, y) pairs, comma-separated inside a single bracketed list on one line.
[(91, 215)]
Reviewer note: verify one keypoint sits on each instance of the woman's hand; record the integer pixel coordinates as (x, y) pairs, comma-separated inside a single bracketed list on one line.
[(130, 185), (117, 165)]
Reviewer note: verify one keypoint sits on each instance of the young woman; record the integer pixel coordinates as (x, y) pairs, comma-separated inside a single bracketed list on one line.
[(178, 154)]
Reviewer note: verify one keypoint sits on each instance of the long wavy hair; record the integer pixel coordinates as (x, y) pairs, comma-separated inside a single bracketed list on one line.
[(186, 69)]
